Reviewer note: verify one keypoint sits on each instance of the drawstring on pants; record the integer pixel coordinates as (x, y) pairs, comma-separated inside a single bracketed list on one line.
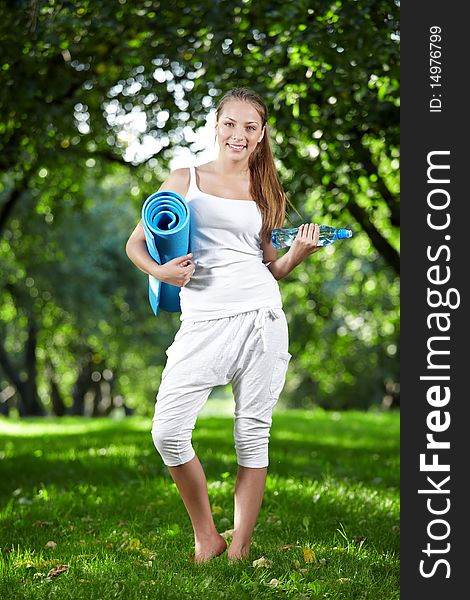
[(260, 321)]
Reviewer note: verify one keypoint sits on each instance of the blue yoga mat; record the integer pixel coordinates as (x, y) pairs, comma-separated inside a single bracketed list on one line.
[(165, 219)]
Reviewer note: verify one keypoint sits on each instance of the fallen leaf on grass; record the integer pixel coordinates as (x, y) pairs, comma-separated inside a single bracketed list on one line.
[(42, 523), (228, 533), (56, 571), (286, 547), (51, 545), (262, 562), (273, 519), (309, 555), (24, 500), (145, 563), (148, 554)]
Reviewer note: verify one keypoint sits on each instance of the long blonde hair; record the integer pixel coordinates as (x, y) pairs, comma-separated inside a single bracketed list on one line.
[(265, 187)]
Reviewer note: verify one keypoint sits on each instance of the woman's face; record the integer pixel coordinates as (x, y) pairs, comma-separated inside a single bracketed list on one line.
[(239, 129)]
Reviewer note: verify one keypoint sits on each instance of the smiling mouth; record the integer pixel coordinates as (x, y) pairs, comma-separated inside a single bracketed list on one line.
[(237, 147)]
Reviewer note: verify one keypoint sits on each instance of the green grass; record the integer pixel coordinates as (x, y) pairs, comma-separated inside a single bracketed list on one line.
[(329, 523)]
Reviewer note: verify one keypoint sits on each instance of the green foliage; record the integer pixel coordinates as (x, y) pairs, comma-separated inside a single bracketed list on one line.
[(74, 75), (344, 326)]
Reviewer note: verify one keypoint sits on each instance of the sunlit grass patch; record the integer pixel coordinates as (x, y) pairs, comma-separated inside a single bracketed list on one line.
[(88, 510)]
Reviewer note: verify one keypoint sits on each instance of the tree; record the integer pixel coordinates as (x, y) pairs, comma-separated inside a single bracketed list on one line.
[(88, 72)]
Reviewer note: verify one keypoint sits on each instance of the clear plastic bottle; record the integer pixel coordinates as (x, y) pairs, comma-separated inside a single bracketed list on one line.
[(283, 238)]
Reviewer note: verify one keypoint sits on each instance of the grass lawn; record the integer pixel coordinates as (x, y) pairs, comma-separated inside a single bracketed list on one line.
[(89, 511)]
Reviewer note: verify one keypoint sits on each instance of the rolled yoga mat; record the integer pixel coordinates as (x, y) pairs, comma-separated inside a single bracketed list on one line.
[(165, 219)]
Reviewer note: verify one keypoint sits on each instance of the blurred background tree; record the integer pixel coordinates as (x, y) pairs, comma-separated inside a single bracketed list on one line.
[(98, 98)]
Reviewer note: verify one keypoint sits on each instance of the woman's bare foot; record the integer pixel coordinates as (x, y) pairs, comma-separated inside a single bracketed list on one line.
[(208, 548), (238, 552)]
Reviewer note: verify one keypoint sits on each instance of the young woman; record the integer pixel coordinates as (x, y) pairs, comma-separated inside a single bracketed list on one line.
[(233, 329)]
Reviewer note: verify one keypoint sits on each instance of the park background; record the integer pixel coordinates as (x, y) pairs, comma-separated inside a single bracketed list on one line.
[(99, 101)]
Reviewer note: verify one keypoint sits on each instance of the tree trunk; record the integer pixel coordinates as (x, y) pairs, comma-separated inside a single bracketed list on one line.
[(5, 396), (28, 398), (81, 387), (31, 405), (58, 405), (84, 383)]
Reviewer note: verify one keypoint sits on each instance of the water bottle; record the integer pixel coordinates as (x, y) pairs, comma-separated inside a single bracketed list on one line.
[(283, 238)]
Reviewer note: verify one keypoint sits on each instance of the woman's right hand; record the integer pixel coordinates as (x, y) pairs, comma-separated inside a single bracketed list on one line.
[(177, 271), (305, 242)]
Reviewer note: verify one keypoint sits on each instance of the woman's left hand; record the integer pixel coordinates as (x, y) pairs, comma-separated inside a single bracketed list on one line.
[(305, 243)]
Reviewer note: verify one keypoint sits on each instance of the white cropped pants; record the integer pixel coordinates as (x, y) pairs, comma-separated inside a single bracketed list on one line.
[(248, 350)]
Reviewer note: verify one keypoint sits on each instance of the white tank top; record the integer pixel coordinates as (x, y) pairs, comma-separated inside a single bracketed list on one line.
[(230, 276)]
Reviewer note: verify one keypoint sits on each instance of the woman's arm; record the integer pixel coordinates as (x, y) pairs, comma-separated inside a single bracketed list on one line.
[(136, 250), (177, 271), (304, 245)]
